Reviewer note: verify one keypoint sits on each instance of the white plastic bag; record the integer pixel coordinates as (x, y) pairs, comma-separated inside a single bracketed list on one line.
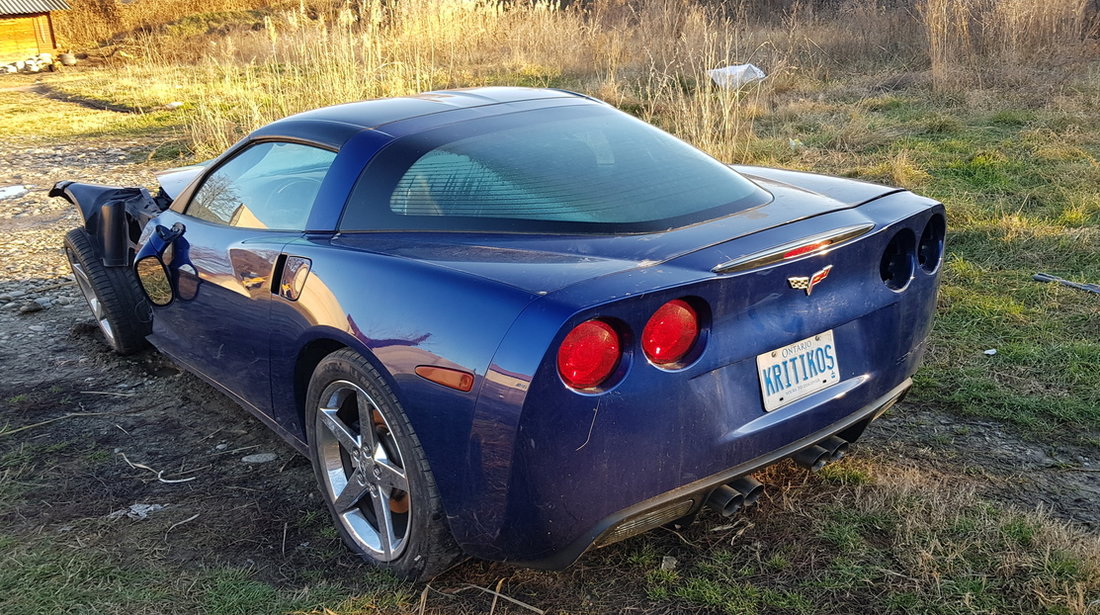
[(732, 77)]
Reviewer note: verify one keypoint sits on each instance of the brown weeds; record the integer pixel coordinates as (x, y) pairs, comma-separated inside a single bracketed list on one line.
[(648, 56)]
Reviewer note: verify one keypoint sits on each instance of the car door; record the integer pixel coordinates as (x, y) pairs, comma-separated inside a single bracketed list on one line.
[(235, 224)]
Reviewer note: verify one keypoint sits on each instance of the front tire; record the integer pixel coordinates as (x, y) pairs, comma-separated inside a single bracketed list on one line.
[(372, 471), (117, 303)]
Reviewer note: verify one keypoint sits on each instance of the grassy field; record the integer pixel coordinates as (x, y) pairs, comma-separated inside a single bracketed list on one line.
[(992, 108)]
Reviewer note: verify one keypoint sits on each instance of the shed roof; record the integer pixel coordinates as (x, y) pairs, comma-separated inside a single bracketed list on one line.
[(24, 7)]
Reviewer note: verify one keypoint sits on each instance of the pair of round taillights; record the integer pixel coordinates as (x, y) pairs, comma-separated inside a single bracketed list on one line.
[(591, 352)]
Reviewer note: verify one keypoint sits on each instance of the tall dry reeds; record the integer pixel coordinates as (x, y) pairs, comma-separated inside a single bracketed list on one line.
[(96, 21), (649, 56), (1004, 41)]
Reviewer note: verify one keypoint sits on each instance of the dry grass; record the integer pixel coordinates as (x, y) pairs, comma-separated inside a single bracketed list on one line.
[(852, 83), (648, 56), (990, 41), (946, 534), (92, 21)]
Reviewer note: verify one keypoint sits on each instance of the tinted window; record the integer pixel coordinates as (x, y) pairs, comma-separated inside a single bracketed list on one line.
[(573, 168), (267, 186)]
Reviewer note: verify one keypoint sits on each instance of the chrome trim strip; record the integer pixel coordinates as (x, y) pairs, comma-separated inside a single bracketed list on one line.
[(774, 255)]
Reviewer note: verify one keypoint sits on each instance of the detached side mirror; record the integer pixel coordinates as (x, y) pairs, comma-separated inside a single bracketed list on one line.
[(153, 276), (149, 267)]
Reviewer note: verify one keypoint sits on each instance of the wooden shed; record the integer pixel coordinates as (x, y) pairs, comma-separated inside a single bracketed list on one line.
[(26, 28)]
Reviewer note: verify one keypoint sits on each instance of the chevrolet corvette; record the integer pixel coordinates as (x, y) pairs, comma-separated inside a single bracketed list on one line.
[(517, 324)]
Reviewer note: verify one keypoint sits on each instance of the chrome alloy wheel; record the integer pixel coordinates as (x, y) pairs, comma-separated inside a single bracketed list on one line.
[(363, 470), (85, 284)]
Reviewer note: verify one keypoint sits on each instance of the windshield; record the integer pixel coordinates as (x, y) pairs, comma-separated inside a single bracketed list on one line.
[(581, 168)]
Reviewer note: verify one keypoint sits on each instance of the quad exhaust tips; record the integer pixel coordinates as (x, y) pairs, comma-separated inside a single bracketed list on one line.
[(815, 457), (731, 498)]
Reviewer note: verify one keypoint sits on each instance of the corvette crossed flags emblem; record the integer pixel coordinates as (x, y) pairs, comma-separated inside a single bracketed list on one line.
[(807, 284)]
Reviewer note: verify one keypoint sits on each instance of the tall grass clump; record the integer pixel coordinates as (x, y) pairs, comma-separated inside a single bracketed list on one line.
[(999, 42), (649, 56)]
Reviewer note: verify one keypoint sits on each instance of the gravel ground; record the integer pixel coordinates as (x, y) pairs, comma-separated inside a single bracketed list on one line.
[(38, 299)]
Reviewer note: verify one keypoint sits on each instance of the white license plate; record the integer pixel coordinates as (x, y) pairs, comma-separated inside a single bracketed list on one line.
[(792, 372)]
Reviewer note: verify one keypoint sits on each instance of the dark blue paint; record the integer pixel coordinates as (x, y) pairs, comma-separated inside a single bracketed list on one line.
[(527, 467), (221, 328)]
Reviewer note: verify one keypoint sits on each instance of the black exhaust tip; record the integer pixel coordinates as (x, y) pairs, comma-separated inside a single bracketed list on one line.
[(837, 447), (750, 488), (814, 457), (726, 500)]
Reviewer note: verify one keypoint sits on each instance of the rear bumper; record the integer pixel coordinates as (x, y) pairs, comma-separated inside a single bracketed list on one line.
[(677, 502), (554, 470)]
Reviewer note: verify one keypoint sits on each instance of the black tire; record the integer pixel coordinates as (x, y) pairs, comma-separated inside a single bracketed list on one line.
[(121, 310), (369, 481)]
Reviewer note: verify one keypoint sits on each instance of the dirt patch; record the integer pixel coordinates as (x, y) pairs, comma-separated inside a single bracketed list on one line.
[(1060, 477), (89, 420)]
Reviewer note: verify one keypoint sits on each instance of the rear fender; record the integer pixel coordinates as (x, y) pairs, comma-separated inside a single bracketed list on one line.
[(113, 216)]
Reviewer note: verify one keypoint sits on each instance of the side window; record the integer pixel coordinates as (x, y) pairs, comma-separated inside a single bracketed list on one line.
[(267, 186)]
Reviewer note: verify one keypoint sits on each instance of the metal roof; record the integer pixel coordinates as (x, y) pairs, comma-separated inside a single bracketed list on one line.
[(24, 7)]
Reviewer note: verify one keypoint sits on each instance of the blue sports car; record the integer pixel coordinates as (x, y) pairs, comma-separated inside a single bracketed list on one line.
[(517, 324)]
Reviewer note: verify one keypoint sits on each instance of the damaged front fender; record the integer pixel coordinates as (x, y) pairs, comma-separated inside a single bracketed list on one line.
[(113, 216)]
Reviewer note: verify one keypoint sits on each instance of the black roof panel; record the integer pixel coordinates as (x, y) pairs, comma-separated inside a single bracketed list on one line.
[(336, 124)]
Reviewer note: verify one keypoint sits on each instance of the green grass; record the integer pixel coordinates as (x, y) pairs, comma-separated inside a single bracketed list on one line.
[(887, 546), (45, 577), (847, 472), (26, 114), (1019, 178), (898, 543), (1020, 189)]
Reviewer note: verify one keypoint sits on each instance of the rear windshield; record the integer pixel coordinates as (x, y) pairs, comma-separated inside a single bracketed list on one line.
[(573, 169)]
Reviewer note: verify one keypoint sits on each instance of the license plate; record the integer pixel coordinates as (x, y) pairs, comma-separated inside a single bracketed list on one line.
[(792, 372)]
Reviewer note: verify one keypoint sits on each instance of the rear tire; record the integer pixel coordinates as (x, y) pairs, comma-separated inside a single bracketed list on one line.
[(119, 307), (375, 480)]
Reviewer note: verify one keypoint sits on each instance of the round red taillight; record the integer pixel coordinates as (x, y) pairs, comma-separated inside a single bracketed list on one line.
[(589, 354), (670, 332)]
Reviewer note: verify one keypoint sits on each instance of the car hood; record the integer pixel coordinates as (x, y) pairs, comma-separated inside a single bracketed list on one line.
[(173, 181), (542, 264)]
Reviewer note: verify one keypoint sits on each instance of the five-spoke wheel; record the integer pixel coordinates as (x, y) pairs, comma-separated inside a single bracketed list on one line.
[(84, 283), (372, 471), (364, 473)]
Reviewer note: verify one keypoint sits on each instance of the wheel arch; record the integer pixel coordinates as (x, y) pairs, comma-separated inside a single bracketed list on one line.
[(310, 355), (320, 344)]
